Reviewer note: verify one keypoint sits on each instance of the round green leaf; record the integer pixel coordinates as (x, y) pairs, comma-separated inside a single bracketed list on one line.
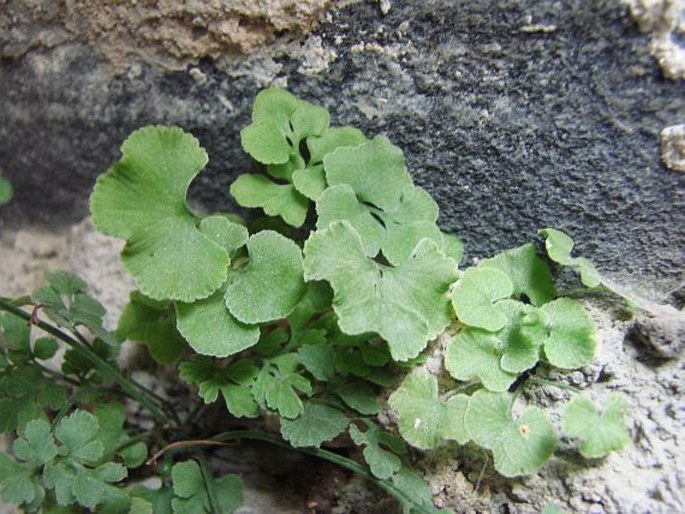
[(496, 358), (331, 139), (211, 329), (187, 479), (375, 170), (572, 337), (413, 220), (526, 445), (265, 138), (454, 423), (424, 420), (310, 181), (453, 246), (522, 336), (420, 413), (280, 122), (142, 199), (382, 463), (308, 120), (152, 323), (397, 232), (559, 246), (270, 286), (274, 104), (476, 353), (6, 191), (45, 348), (405, 305), (224, 232), (340, 203), (402, 239), (486, 415), (275, 199), (600, 433), (474, 295), (360, 396), (317, 424), (519, 446), (528, 273), (266, 142)]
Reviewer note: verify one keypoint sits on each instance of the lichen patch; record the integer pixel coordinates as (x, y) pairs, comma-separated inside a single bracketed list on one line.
[(664, 20)]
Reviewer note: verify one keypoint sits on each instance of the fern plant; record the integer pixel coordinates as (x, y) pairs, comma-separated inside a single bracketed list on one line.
[(6, 190), (309, 310)]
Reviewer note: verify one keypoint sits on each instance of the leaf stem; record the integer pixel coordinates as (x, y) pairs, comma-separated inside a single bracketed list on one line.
[(17, 302), (482, 472), (134, 389), (57, 374), (344, 462), (214, 506), (188, 443), (136, 439), (341, 461), (71, 402), (195, 414)]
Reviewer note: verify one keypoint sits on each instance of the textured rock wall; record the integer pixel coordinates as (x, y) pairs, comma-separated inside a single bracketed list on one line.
[(168, 33), (514, 115)]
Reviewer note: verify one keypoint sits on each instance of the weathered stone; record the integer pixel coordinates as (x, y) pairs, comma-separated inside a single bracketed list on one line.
[(170, 33), (514, 115), (664, 20), (661, 335), (673, 147)]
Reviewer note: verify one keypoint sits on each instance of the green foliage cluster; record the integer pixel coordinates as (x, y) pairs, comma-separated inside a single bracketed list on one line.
[(6, 190), (309, 312), (75, 446)]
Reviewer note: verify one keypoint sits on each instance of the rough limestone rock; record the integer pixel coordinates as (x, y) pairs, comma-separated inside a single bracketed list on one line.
[(514, 115), (664, 21), (673, 147), (169, 33)]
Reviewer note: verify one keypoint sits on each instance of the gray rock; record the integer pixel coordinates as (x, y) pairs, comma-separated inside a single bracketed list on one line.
[(673, 147), (663, 335), (646, 476), (514, 115)]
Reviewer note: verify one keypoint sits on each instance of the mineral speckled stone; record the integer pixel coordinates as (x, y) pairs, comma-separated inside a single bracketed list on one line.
[(513, 115)]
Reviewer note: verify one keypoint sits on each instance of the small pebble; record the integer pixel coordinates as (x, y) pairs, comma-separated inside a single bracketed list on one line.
[(673, 147)]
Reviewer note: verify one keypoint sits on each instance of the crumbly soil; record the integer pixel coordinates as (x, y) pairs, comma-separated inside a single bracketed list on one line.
[(640, 356)]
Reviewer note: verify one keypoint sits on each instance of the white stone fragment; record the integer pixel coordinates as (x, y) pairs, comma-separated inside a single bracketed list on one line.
[(673, 147), (662, 19)]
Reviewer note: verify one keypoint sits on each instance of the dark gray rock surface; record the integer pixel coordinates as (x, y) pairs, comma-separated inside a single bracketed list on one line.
[(514, 115)]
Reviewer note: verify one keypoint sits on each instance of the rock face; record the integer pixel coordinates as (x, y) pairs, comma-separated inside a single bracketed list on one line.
[(665, 22), (169, 33), (514, 115)]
